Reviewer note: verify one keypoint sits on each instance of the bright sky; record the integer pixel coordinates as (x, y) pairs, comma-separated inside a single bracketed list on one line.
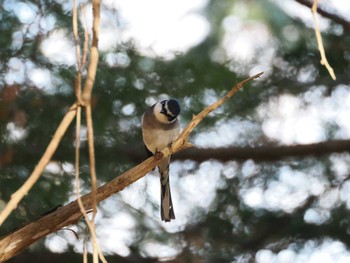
[(162, 28)]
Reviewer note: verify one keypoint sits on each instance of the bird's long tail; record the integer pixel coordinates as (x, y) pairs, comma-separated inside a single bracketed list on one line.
[(166, 204)]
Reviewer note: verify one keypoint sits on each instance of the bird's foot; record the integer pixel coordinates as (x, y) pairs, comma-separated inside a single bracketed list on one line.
[(158, 155)]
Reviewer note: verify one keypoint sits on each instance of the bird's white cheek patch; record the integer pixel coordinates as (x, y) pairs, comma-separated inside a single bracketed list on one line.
[(162, 118)]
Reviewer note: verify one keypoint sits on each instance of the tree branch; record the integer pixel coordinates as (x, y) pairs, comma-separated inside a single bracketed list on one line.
[(50, 150), (324, 60), (86, 101), (264, 153), (337, 19), (16, 241)]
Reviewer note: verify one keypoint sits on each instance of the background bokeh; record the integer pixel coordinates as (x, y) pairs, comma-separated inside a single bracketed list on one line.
[(291, 209)]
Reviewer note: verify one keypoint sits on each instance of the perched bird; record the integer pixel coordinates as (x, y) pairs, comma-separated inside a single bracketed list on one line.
[(160, 127)]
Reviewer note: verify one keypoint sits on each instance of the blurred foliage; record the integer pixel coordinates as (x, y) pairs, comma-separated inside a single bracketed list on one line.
[(229, 230)]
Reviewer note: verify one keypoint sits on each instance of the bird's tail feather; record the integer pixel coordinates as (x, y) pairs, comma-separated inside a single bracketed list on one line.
[(166, 204)]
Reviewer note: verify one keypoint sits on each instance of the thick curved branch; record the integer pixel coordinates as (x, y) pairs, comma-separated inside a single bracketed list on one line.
[(16, 241)]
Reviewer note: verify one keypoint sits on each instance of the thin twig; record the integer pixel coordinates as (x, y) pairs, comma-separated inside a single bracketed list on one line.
[(81, 62), (93, 180), (50, 150), (77, 85), (332, 16), (92, 68), (77, 147), (324, 60), (85, 254), (91, 74), (87, 95), (75, 33), (87, 102), (90, 224), (181, 142), (86, 37), (90, 139)]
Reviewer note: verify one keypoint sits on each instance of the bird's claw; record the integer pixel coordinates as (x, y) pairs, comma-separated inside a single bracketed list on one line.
[(158, 155)]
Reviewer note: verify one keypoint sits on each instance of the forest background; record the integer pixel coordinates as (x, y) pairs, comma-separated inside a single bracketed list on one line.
[(248, 193)]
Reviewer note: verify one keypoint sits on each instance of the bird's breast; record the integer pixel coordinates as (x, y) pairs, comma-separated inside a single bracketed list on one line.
[(157, 140)]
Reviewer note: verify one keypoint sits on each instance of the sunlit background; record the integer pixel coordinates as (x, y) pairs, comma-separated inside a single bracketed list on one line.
[(166, 30)]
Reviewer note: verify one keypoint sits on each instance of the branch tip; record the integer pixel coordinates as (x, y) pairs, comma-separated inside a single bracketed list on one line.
[(188, 145)]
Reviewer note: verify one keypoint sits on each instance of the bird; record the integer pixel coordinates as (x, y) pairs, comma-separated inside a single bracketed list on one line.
[(160, 128)]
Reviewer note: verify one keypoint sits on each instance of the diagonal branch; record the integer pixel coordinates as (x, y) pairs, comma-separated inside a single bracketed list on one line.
[(14, 242), (181, 142), (50, 150)]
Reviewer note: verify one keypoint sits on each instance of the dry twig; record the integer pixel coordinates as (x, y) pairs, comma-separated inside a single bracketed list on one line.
[(50, 150), (97, 253), (82, 99), (92, 68), (90, 79), (324, 60), (325, 13)]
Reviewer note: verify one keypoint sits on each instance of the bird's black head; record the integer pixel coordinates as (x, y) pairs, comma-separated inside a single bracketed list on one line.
[(171, 108), (174, 107)]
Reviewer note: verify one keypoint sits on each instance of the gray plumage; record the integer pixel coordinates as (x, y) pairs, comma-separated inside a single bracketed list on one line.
[(160, 127)]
